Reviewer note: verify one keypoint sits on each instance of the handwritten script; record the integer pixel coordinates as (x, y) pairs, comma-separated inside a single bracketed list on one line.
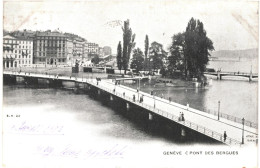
[(37, 129), (115, 151), (114, 23)]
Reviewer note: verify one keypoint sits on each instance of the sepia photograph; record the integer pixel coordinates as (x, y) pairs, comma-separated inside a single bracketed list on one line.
[(121, 83)]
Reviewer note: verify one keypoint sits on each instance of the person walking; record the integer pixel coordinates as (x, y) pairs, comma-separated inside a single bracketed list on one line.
[(225, 136), (182, 117)]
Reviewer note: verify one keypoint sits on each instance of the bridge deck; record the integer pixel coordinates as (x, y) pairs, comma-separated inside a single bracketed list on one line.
[(241, 74), (199, 121), (134, 78)]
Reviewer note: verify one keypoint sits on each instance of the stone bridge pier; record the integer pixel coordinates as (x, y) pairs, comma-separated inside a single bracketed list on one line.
[(30, 80), (9, 79), (54, 83)]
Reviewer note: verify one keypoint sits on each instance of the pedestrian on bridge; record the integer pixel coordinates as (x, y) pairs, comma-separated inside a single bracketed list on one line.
[(133, 98), (141, 98), (179, 117), (182, 117), (225, 136)]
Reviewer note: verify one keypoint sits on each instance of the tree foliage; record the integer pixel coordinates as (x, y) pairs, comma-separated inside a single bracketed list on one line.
[(190, 50), (128, 44), (95, 60), (119, 56), (146, 49), (176, 59), (137, 60), (157, 54)]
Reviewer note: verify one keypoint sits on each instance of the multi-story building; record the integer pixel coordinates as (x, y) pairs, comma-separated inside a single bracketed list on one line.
[(78, 49), (55, 48), (93, 49), (107, 50), (17, 52), (50, 48), (70, 60), (85, 50)]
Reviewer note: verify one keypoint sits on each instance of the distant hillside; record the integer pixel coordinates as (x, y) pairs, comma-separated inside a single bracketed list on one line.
[(233, 54)]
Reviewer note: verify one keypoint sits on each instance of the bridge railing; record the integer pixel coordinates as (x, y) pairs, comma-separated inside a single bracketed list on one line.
[(233, 73), (223, 115), (232, 118), (189, 124)]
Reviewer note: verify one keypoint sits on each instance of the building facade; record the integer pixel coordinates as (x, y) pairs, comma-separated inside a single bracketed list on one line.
[(17, 52), (78, 49), (85, 51), (93, 49), (50, 48), (70, 60)]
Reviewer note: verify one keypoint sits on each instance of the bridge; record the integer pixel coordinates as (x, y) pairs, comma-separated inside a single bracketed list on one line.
[(153, 109), (220, 74), (132, 78)]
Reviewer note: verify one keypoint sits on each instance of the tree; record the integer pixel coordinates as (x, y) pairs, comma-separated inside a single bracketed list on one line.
[(157, 54), (146, 47), (137, 60), (197, 47), (119, 56), (177, 59), (95, 60), (128, 44), (190, 50)]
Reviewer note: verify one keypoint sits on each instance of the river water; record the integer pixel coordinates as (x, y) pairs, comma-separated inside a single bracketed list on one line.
[(77, 124), (237, 96)]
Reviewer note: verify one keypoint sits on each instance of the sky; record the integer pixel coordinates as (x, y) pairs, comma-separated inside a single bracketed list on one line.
[(231, 25)]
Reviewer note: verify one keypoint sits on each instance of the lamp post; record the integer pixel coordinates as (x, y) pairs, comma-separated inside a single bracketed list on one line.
[(92, 74), (138, 88), (115, 85), (243, 122), (82, 76), (154, 99), (218, 108)]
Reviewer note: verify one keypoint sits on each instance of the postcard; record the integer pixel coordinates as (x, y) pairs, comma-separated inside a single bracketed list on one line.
[(120, 83)]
